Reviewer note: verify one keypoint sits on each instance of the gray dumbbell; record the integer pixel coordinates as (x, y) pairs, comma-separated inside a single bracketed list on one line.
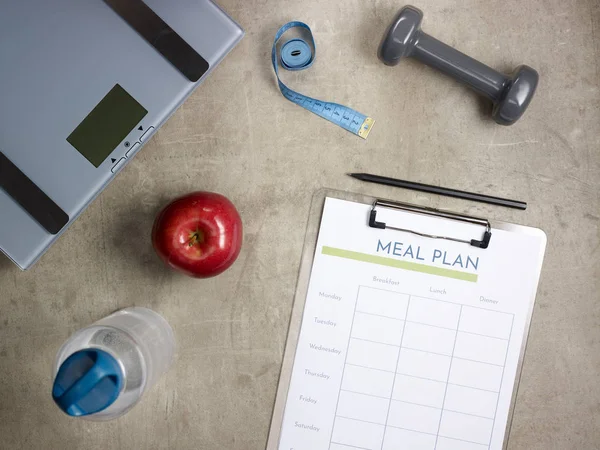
[(511, 94)]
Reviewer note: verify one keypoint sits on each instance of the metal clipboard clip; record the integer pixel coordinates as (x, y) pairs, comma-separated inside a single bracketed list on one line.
[(483, 243)]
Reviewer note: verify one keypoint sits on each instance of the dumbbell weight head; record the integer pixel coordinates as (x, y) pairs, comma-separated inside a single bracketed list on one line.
[(518, 92), (400, 37), (510, 94)]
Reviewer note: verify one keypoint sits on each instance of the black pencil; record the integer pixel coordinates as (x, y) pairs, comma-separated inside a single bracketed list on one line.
[(440, 190)]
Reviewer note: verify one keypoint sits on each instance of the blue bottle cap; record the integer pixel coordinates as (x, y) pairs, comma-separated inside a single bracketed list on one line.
[(88, 381)]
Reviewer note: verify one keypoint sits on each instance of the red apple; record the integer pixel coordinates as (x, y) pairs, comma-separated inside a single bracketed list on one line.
[(199, 234)]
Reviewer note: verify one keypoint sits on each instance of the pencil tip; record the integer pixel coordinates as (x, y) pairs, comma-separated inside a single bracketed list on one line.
[(354, 175)]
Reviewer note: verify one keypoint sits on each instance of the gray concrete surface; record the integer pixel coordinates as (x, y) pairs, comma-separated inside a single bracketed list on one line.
[(237, 135)]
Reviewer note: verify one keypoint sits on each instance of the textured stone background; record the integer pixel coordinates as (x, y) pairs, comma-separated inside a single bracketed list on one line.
[(237, 135)]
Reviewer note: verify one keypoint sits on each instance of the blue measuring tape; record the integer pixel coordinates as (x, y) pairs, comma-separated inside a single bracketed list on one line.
[(296, 54)]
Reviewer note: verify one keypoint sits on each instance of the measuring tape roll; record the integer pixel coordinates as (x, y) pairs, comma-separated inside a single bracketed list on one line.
[(297, 54)]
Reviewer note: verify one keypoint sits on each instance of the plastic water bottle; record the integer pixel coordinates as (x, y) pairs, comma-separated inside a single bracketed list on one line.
[(103, 370)]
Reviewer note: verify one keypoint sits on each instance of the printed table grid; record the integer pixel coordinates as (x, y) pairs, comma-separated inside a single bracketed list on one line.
[(399, 323)]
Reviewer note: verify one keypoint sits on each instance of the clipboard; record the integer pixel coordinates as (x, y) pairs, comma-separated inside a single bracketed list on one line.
[(481, 239)]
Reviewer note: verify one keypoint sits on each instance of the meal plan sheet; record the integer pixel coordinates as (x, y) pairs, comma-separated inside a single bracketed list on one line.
[(409, 342)]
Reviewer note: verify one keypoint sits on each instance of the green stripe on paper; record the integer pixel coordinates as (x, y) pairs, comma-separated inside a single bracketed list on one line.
[(398, 264)]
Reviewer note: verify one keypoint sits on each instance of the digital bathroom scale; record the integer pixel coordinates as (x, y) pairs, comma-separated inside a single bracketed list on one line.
[(83, 85)]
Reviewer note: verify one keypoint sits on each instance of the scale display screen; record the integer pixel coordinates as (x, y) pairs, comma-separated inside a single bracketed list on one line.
[(107, 125)]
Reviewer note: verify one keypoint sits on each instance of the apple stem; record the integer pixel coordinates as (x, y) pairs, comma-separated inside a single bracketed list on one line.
[(195, 237)]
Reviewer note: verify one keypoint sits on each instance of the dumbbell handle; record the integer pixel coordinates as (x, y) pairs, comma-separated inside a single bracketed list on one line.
[(446, 59)]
